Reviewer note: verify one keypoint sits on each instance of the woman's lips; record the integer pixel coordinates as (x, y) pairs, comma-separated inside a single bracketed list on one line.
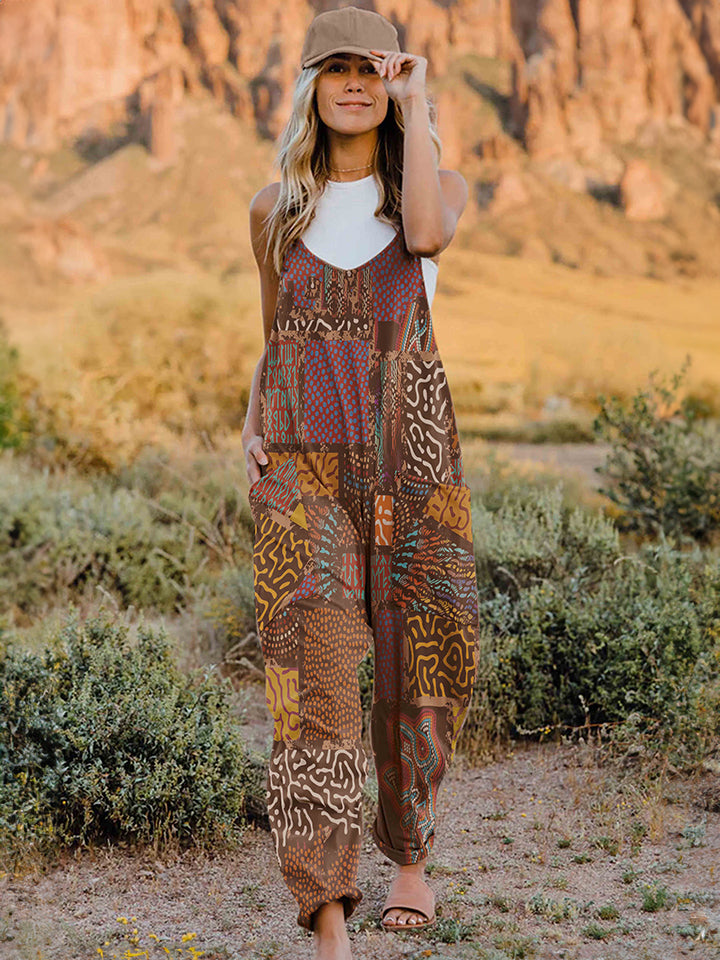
[(354, 106)]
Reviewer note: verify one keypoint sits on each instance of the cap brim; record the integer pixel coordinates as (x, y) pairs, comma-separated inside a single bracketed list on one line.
[(362, 51)]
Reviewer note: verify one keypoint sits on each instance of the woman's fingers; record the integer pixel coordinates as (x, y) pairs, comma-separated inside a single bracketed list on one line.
[(392, 63), (406, 60), (385, 68), (256, 458)]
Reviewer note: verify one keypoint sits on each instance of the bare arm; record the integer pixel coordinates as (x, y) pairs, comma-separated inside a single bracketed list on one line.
[(260, 206), (433, 199)]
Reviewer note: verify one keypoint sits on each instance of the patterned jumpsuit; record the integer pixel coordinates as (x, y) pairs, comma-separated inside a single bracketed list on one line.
[(362, 535)]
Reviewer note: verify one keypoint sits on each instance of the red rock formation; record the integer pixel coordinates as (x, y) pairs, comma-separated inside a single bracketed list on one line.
[(508, 192), (65, 247), (585, 71), (645, 191), (69, 65), (601, 69), (162, 95), (704, 17)]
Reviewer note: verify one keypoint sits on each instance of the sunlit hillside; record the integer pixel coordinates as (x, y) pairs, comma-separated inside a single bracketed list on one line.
[(130, 290)]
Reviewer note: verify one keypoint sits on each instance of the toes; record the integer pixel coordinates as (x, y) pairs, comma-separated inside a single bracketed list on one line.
[(403, 918)]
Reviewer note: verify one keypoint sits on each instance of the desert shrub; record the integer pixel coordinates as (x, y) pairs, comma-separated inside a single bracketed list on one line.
[(497, 482), (105, 739), (664, 465), (230, 607), (167, 351), (13, 419), (153, 358), (201, 492), (64, 535), (54, 543), (536, 536), (575, 633)]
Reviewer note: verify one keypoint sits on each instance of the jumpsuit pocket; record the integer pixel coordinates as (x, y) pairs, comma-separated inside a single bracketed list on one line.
[(433, 560), (281, 548), (275, 461)]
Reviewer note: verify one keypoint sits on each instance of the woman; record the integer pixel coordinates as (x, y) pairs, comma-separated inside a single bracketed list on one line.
[(362, 513)]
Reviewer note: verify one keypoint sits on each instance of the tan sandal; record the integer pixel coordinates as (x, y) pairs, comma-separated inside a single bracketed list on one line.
[(409, 892)]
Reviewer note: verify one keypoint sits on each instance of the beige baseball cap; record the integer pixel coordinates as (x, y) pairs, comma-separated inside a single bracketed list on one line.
[(347, 30)]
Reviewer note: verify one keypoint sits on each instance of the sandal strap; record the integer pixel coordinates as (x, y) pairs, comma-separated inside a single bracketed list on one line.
[(410, 893)]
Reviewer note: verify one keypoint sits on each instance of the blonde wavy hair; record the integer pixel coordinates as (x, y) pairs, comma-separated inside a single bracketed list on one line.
[(303, 159)]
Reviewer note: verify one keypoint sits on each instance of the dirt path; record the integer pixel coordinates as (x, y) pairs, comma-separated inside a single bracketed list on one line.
[(578, 459), (527, 851)]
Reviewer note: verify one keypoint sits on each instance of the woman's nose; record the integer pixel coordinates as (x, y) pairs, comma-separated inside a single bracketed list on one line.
[(355, 80)]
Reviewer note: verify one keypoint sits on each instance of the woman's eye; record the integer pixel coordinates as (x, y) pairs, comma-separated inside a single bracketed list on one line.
[(367, 67)]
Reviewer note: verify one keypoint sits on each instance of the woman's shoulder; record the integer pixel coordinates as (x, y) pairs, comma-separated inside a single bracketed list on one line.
[(260, 207), (452, 176), (264, 200), (454, 187), (455, 191)]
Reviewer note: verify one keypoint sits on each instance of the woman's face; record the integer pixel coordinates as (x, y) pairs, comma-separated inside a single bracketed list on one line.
[(351, 95)]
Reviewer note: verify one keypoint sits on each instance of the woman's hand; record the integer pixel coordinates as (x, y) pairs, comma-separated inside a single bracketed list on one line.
[(403, 73), (254, 456)]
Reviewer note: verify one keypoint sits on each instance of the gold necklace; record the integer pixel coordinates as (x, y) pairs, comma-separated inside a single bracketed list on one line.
[(348, 169)]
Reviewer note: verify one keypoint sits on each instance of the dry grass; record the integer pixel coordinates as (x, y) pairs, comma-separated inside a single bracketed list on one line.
[(517, 332), (148, 358)]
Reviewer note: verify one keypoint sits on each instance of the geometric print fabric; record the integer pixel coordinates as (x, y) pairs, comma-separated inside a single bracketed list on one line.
[(363, 536)]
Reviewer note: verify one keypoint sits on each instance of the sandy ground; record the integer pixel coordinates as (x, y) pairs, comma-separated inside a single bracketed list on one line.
[(574, 459), (527, 851)]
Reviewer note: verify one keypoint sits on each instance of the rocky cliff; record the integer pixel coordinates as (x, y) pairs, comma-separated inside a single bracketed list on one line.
[(587, 129), (593, 70), (584, 72)]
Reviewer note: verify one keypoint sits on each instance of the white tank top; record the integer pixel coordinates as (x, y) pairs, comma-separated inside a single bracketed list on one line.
[(345, 233)]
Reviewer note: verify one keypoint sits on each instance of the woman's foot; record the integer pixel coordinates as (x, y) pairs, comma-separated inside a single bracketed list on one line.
[(330, 935), (399, 917)]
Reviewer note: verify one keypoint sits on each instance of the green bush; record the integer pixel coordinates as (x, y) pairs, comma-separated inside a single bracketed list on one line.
[(575, 633), (62, 536), (664, 467), (12, 419), (537, 537), (104, 739), (230, 605)]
